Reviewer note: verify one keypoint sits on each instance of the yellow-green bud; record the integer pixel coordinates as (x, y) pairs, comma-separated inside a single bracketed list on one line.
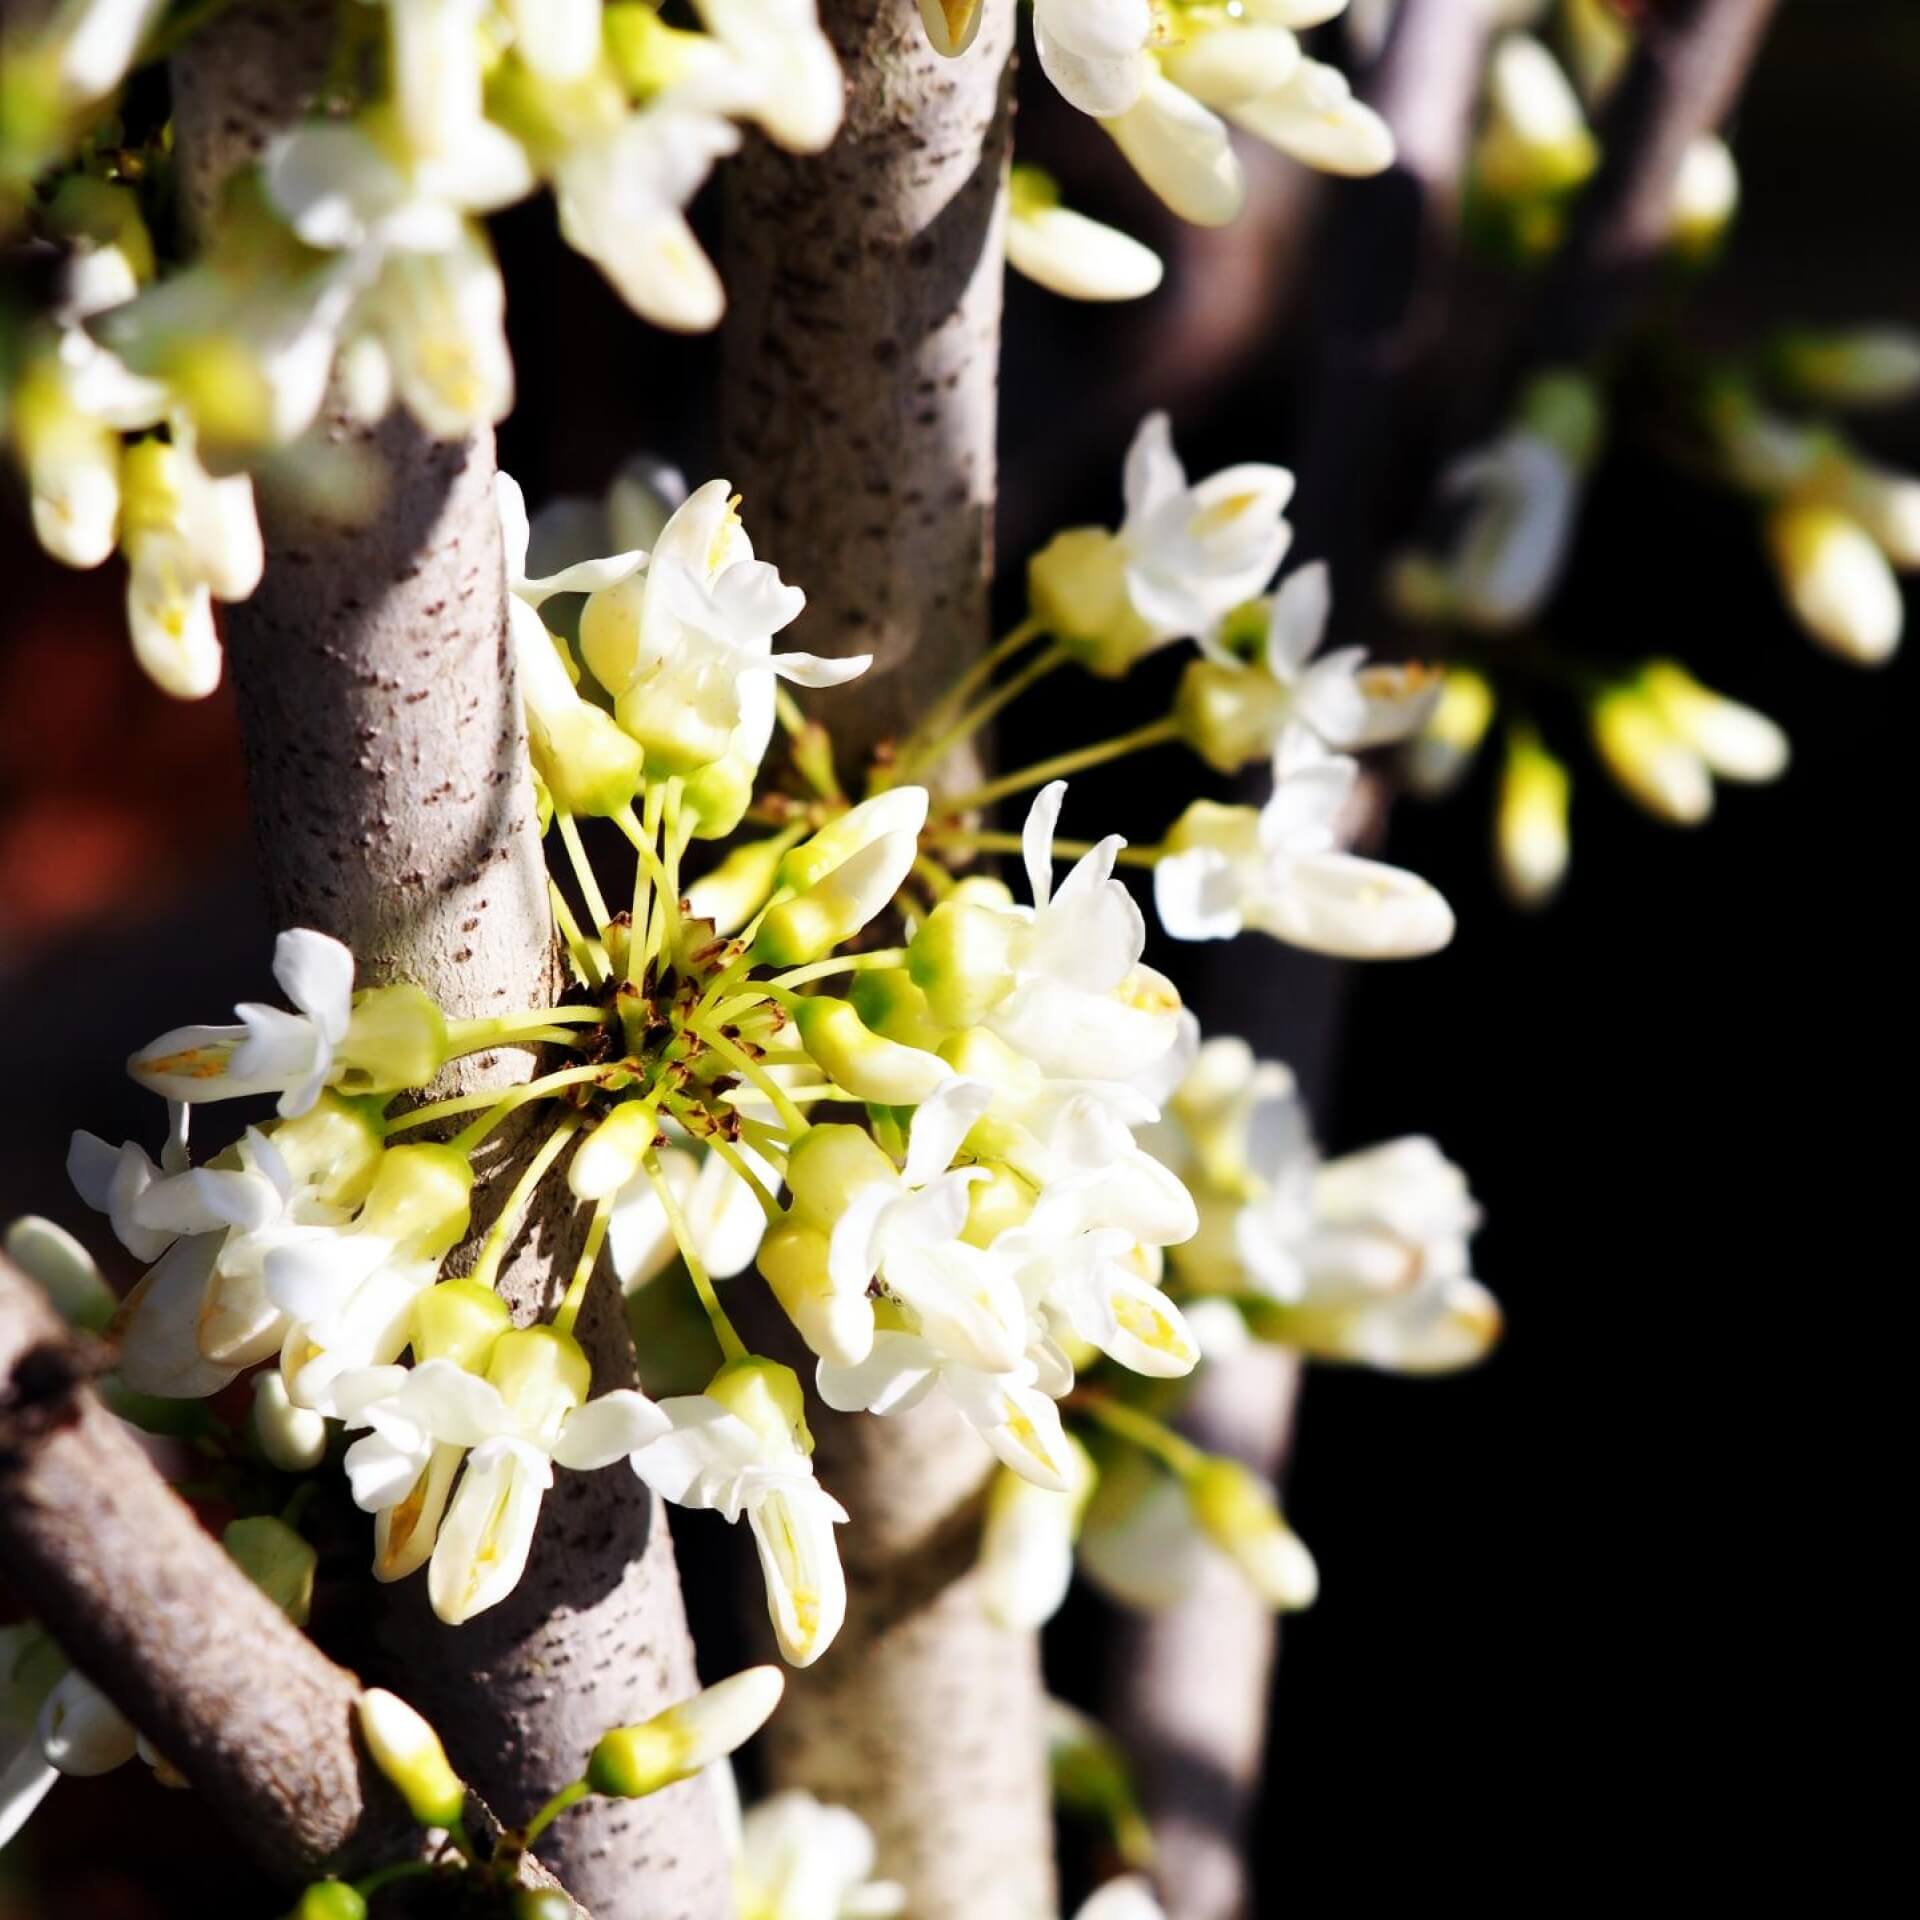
[(829, 1165), (1237, 1511), (397, 1038), (959, 960), (686, 1739), (715, 799), (899, 810), (540, 1371), (589, 764), (459, 1320), (793, 1260), (330, 1900), (678, 737), (767, 1397), (408, 1751), (610, 1155), (888, 1001), (421, 1199), (1530, 823), (737, 888), (1565, 410), (867, 1065), (294, 1439), (1078, 585), (338, 1145), (1229, 716)]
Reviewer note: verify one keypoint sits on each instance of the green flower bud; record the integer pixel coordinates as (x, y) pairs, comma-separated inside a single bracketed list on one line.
[(421, 1198), (767, 1396), (1229, 716), (870, 1067), (459, 1320), (396, 1039), (829, 1165), (1078, 585), (294, 1439), (886, 999), (960, 960), (1238, 1512), (610, 1155), (329, 1900), (540, 1372), (408, 1751), (793, 1260), (589, 764), (64, 1271), (630, 1762), (338, 1145)]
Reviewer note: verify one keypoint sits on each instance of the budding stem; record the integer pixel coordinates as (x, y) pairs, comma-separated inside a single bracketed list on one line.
[(1151, 1436), (1155, 733), (731, 1345), (1008, 691), (737, 1057), (962, 690), (576, 1295), (500, 1235)]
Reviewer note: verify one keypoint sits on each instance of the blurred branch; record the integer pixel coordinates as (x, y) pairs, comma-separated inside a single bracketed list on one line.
[(149, 1607), (1689, 62)]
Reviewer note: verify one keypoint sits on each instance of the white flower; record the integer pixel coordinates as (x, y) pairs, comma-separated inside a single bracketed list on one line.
[(1313, 117), (621, 195), (189, 540), (1181, 151), (1095, 51), (1026, 1543), (802, 1860), (1185, 556), (737, 1448), (683, 646), (1282, 872), (111, 1180), (408, 1412), (1223, 59), (784, 67), (540, 1379), (1081, 1004), (270, 1051), (1837, 581), (1128, 1898)]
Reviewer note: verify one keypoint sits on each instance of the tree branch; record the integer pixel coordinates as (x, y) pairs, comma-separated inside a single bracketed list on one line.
[(148, 1606), (862, 358)]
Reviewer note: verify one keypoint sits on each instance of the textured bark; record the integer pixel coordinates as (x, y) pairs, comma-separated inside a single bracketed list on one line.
[(1688, 65), (862, 356), (924, 1716), (389, 783), (145, 1603)]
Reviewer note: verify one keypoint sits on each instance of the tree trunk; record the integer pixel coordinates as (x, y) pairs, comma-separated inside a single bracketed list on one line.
[(389, 784), (862, 373)]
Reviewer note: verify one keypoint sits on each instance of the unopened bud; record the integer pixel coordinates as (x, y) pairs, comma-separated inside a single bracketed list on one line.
[(630, 1762), (1653, 764), (736, 889), (1736, 742), (294, 1439), (610, 1155), (408, 1751), (836, 1325), (867, 1065), (1837, 581), (1530, 825), (1439, 758), (960, 959), (421, 1199), (1238, 1512), (63, 1270), (329, 1900), (459, 1320)]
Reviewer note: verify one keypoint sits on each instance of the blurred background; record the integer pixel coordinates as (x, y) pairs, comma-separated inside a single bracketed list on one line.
[(1599, 1603)]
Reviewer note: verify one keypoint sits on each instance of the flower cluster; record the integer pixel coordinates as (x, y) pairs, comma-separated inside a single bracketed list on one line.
[(932, 1148), (353, 260)]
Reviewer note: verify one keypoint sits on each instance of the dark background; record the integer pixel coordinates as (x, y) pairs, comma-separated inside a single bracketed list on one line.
[(1599, 1618)]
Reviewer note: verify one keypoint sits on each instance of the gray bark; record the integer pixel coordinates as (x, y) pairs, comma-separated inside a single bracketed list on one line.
[(390, 788), (862, 352)]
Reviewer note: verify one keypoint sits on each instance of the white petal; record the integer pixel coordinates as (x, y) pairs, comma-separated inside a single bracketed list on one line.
[(599, 1433), (806, 1589), (897, 1374), (1078, 258), (940, 1124), (1337, 903), (1043, 817), (1182, 152)]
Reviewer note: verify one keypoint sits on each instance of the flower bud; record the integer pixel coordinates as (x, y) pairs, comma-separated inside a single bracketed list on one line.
[(1238, 1512), (610, 1155), (1736, 742), (1884, 501), (715, 798), (1536, 142), (813, 923), (276, 1560), (408, 1751), (73, 467), (1837, 581), (829, 1165), (889, 1002), (1566, 411), (868, 1066), (737, 888), (63, 1270), (397, 1038), (1530, 824), (542, 1903), (1229, 716), (1861, 367), (836, 1326), (961, 960), (459, 1320), (1706, 193), (337, 1144), (1026, 1542), (1234, 61), (329, 1900), (1652, 763), (541, 1373), (1439, 758), (591, 766), (294, 1439), (1069, 254), (421, 1199), (1077, 584), (686, 1739), (898, 810)]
